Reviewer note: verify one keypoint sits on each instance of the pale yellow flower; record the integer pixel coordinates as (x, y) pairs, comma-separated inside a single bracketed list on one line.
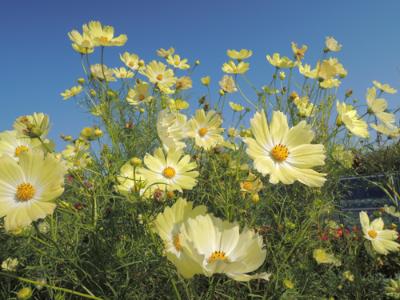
[(158, 74), (172, 129), (227, 84), (13, 145), (206, 129), (72, 92), (350, 118), (132, 61), (330, 83), (330, 68), (382, 240), (173, 171), (332, 45), (304, 106), (36, 125), (130, 182), (299, 52), (104, 35), (231, 68), (139, 94), (165, 53), (321, 256), (123, 73), (280, 62), (10, 264), (29, 187), (177, 62), (239, 55), (184, 83), (102, 72), (82, 43), (306, 71), (76, 155), (285, 153), (168, 224), (219, 247), (384, 87), (389, 130), (178, 104), (236, 107), (205, 80), (378, 106), (252, 184)]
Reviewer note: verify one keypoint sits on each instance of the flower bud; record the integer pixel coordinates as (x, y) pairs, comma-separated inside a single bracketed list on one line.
[(24, 293)]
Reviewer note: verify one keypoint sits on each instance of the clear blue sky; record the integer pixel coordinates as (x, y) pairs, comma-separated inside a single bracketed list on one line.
[(38, 63)]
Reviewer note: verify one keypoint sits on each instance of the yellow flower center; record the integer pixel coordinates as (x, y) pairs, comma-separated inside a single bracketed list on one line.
[(131, 64), (25, 192), (280, 152), (169, 172), (372, 233), (20, 149), (103, 40), (202, 131), (141, 97), (160, 77), (247, 185), (177, 63), (217, 255), (177, 242)]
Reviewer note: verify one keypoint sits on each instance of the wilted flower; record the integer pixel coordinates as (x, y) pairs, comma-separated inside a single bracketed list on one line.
[(165, 53), (236, 107), (299, 52), (183, 83), (36, 125)]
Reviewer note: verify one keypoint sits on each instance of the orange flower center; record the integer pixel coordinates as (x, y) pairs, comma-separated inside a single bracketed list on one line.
[(160, 77), (169, 172), (25, 192), (372, 233), (280, 152), (141, 97), (247, 185), (103, 40), (20, 149), (217, 255), (202, 131), (177, 242)]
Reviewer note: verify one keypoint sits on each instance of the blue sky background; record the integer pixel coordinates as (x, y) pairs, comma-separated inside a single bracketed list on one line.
[(38, 63)]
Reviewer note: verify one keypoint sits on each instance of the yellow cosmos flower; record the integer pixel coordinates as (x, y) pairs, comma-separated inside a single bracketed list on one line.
[(206, 129), (219, 247), (348, 116), (172, 129), (299, 52), (389, 130), (382, 240), (102, 72), (205, 80), (178, 104), (177, 62), (10, 264), (13, 145), (158, 74), (227, 84), (306, 71), (76, 155), (332, 45), (321, 256), (239, 55), (330, 68), (29, 187), (384, 87), (280, 62), (330, 83), (236, 107), (139, 94), (285, 154), (104, 35), (165, 53), (130, 182), (252, 184), (168, 224), (122, 73), (304, 106), (184, 83), (36, 125), (132, 61), (72, 92), (378, 106), (82, 43), (173, 171), (231, 68)]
